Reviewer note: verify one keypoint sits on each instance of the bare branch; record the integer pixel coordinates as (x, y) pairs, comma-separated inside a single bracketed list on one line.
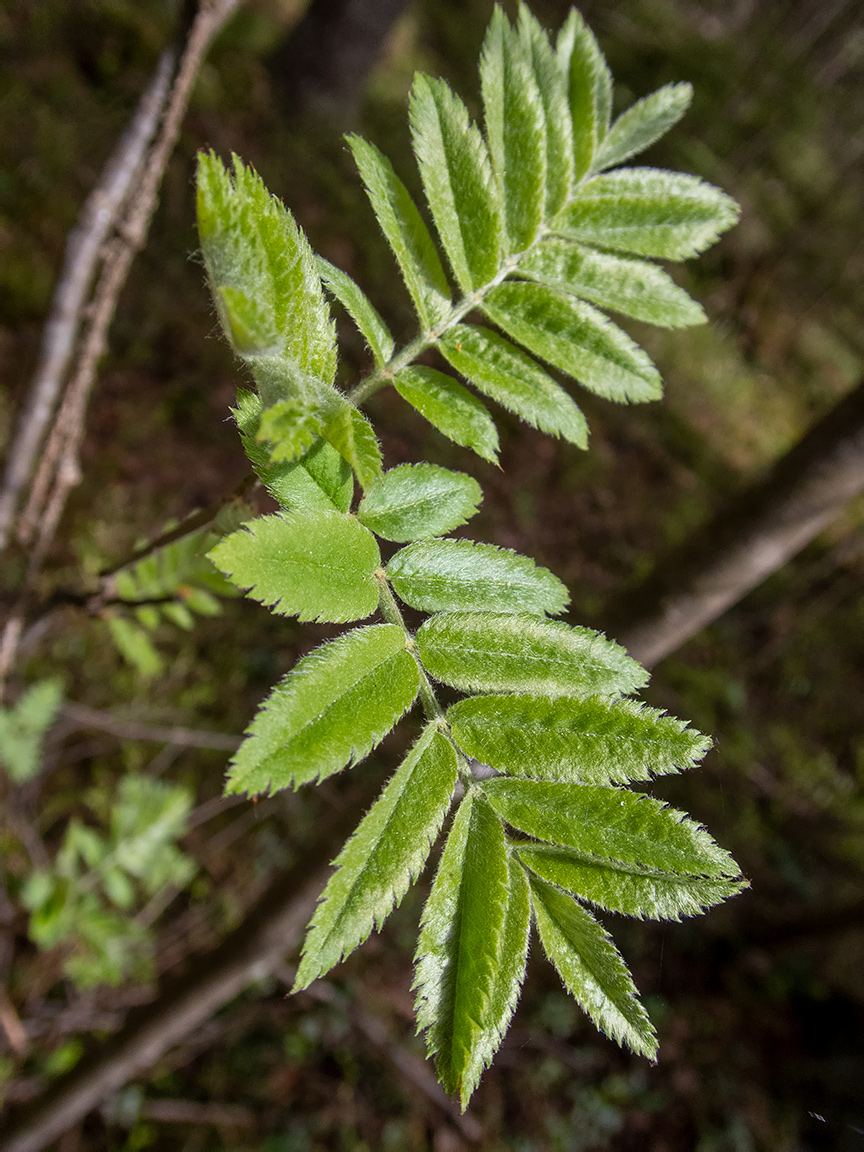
[(84, 717)]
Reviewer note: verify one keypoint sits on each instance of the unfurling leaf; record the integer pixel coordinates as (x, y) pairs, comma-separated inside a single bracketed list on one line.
[(593, 741), (310, 564), (591, 968), (461, 576), (482, 652), (458, 953), (414, 501), (450, 408), (291, 426), (328, 712), (383, 857)]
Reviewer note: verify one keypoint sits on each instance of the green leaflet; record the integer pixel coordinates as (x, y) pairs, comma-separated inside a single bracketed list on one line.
[(261, 270), (320, 480), (23, 728), (450, 408), (610, 823), (643, 892), (576, 338), (482, 652), (457, 178), (353, 437), (459, 946), (461, 576), (649, 212), (413, 501), (311, 564), (593, 741), (406, 233), (360, 308), (383, 857), (557, 121), (503, 372), (632, 287), (643, 123), (328, 712), (589, 90), (515, 131), (291, 426), (591, 968)]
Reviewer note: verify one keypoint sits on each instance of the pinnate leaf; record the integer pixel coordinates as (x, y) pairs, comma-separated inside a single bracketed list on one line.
[(458, 181), (485, 652), (310, 564), (459, 946), (632, 891), (506, 374), (414, 501), (632, 287), (593, 741), (383, 857), (331, 709), (576, 338), (406, 233), (591, 968), (515, 126), (610, 823), (649, 212), (360, 308), (643, 123), (461, 576), (449, 407)]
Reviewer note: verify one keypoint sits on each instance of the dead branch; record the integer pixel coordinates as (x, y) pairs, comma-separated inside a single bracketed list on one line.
[(83, 717)]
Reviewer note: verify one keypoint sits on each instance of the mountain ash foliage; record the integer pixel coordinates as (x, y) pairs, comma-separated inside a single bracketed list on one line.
[(538, 230)]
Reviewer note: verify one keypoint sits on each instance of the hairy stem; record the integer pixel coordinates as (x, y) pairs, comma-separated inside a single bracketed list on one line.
[(391, 613)]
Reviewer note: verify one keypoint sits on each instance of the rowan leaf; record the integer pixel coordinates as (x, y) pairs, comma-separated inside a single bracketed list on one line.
[(383, 857), (360, 308), (589, 90), (353, 437), (449, 407), (262, 271), (414, 501), (646, 893), (504, 373), (643, 123), (312, 564), (406, 232), (576, 338), (462, 576), (557, 121), (23, 727), (591, 968), (291, 426), (515, 131), (648, 212), (631, 287), (331, 709), (459, 947), (592, 741), (482, 652), (458, 181), (611, 823)]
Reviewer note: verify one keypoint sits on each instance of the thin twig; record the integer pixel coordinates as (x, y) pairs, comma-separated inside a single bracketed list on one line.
[(84, 717)]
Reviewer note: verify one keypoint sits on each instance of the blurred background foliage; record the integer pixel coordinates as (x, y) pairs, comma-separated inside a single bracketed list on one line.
[(759, 1005)]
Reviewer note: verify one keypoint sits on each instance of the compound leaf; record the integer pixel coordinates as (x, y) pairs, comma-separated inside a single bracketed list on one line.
[(413, 501), (449, 407), (610, 823), (576, 338), (383, 857), (593, 741), (458, 953), (482, 652), (643, 123), (506, 374), (632, 287), (515, 130), (331, 709), (312, 564), (591, 968), (458, 181), (360, 308), (649, 212), (23, 728), (461, 576), (406, 233), (643, 892)]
